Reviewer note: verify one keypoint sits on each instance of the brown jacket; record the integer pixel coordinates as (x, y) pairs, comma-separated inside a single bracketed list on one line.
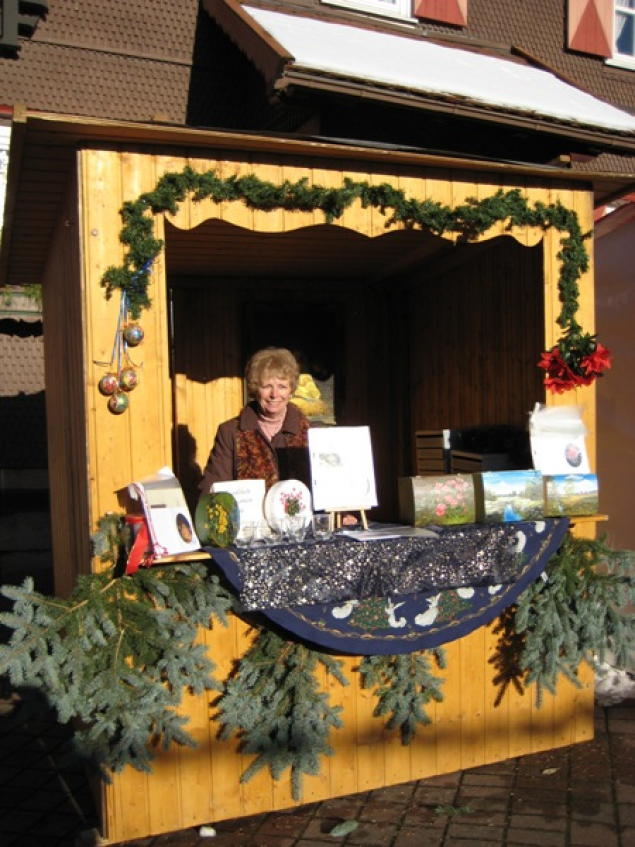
[(241, 451)]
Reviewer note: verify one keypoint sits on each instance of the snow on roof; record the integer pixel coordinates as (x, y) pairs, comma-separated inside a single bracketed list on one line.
[(421, 66)]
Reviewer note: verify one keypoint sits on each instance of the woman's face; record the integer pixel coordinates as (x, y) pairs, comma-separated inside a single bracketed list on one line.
[(272, 395)]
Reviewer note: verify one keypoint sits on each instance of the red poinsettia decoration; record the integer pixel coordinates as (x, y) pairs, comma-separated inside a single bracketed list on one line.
[(574, 361)]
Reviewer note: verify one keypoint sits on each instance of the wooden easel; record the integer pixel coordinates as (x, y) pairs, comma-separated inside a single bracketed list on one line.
[(335, 517)]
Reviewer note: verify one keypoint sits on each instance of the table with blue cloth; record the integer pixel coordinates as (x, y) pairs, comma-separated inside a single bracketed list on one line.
[(391, 595)]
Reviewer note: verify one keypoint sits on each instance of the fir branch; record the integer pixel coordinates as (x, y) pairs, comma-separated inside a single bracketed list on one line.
[(117, 655), (273, 703), (577, 611), (404, 684)]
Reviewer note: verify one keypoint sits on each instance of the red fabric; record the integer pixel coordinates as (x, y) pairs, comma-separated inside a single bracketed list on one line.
[(141, 552)]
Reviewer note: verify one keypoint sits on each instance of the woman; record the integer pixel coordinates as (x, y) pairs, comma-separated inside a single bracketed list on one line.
[(268, 439)]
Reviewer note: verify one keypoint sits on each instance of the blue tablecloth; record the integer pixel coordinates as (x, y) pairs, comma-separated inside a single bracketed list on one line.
[(388, 597)]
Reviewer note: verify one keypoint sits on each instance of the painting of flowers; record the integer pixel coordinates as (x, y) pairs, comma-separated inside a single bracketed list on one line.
[(441, 500)]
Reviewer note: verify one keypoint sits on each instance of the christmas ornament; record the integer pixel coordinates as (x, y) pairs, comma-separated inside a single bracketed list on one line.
[(118, 403), (122, 375), (108, 384), (128, 379), (133, 335)]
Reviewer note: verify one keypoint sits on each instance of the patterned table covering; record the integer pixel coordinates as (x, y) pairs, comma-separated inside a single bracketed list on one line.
[(392, 596)]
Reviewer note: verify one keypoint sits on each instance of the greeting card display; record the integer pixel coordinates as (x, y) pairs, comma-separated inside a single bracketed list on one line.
[(249, 494), (168, 519), (557, 435)]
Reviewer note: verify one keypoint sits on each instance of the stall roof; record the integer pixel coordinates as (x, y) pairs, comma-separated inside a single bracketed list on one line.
[(43, 157), (295, 50)]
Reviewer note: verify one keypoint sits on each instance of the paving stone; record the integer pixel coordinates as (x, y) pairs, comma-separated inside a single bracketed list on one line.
[(539, 806), (434, 796), (585, 812), (487, 779), (394, 793), (627, 815), (593, 835), (414, 837), (628, 835), (320, 828), (340, 807), (539, 791), (289, 825), (476, 834), (423, 817), (373, 835), (442, 781), (535, 837), (384, 812), (470, 792)]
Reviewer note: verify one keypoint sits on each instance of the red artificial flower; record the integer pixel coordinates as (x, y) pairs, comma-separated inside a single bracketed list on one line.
[(560, 376), (597, 361)]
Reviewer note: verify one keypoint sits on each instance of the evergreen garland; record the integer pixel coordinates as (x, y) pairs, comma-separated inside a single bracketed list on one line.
[(273, 702), (116, 656), (404, 685), (576, 611), (469, 220)]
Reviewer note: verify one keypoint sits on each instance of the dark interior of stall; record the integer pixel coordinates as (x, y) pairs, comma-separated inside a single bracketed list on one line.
[(404, 332)]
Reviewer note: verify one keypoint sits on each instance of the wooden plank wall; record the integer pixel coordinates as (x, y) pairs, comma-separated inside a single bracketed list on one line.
[(65, 354), (194, 787), (187, 787)]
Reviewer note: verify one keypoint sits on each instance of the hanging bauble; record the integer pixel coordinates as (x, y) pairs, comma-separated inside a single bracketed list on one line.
[(133, 334), (108, 384), (118, 403), (128, 379)]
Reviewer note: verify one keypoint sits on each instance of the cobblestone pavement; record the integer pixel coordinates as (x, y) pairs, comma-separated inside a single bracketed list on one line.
[(580, 796)]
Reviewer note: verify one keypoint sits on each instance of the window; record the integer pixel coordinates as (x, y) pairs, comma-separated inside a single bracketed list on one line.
[(387, 8), (625, 30)]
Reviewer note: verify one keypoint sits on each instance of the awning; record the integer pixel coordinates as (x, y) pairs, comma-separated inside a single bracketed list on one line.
[(294, 50)]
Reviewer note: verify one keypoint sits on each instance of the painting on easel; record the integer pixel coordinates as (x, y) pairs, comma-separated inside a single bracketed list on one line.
[(342, 469)]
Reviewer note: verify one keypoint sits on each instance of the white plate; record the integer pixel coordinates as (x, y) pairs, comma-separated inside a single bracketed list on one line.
[(278, 496)]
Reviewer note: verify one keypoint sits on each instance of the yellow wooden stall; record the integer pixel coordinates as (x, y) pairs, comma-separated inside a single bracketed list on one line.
[(494, 302)]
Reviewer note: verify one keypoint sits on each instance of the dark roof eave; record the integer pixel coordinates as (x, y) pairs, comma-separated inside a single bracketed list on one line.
[(298, 78)]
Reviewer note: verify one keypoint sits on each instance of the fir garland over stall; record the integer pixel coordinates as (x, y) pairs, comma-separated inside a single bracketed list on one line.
[(117, 656), (577, 359)]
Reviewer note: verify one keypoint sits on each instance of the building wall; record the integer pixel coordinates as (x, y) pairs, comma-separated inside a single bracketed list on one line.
[(615, 305)]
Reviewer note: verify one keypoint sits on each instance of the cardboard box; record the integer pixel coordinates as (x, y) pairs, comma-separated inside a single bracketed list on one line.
[(503, 496), (441, 500), (570, 495)]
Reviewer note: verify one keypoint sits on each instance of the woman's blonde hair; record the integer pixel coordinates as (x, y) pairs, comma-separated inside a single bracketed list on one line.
[(271, 362)]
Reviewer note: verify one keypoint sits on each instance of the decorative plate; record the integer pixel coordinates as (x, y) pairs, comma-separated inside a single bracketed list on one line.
[(217, 519), (289, 497)]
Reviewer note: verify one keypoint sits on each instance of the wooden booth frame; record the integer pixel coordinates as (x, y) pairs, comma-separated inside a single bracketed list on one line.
[(94, 454)]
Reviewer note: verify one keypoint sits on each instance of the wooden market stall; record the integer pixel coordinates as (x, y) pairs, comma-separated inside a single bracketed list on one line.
[(422, 331)]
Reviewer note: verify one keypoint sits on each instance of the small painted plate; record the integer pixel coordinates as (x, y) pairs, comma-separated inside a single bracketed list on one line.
[(287, 497)]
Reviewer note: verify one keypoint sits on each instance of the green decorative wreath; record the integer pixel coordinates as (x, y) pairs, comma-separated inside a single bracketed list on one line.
[(577, 358)]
